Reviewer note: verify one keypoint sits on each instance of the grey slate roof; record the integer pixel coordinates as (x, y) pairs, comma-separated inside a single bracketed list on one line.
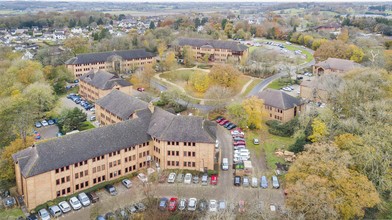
[(338, 64), (104, 56), (67, 150), (103, 80), (221, 44), (278, 99), (121, 104)]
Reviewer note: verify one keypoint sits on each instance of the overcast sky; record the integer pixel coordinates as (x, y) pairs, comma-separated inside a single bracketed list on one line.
[(220, 0)]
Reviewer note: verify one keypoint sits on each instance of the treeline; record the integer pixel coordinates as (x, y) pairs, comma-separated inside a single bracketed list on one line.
[(376, 25)]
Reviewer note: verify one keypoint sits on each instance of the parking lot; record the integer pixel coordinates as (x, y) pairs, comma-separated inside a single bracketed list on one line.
[(69, 104)]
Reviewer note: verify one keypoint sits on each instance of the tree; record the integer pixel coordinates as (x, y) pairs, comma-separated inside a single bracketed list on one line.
[(223, 23), (254, 110), (144, 77), (162, 47), (41, 97), (170, 60), (26, 72), (77, 45), (7, 164), (321, 185), (218, 94), (343, 36), (188, 56), (200, 81), (388, 60), (71, 119), (224, 75), (236, 112), (319, 131), (338, 49), (317, 43), (152, 25)]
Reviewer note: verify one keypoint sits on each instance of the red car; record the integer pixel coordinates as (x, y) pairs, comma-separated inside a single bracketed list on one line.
[(241, 206), (140, 89), (236, 143), (223, 122), (219, 120), (214, 180), (172, 204)]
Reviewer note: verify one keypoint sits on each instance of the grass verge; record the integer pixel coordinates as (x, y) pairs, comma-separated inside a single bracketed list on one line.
[(10, 213), (86, 125)]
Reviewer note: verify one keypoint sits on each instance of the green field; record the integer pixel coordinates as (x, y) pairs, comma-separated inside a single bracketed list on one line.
[(10, 213)]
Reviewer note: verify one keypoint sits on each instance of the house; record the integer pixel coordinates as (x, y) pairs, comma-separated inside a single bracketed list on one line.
[(27, 55), (116, 107), (98, 83), (329, 27), (116, 61), (73, 163), (280, 105), (216, 50), (334, 65)]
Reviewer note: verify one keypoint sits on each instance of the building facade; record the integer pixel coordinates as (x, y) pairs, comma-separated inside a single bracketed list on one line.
[(334, 65), (216, 50), (72, 163), (279, 105), (115, 61), (98, 83)]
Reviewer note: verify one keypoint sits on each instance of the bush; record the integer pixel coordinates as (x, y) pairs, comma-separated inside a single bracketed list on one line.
[(299, 144), (284, 130)]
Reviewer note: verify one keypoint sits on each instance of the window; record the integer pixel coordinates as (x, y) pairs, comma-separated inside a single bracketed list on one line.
[(57, 170), (177, 153), (119, 172), (126, 169), (168, 163), (168, 152), (68, 189), (86, 172), (193, 154), (58, 182), (81, 174), (67, 167), (103, 178), (63, 191), (119, 162), (62, 169), (177, 163), (76, 175), (94, 180), (185, 153), (193, 164), (68, 178), (98, 168), (110, 164), (110, 175), (126, 159), (77, 187), (99, 179), (82, 185), (76, 164), (114, 163), (103, 167), (58, 194), (86, 183), (94, 159), (94, 170)]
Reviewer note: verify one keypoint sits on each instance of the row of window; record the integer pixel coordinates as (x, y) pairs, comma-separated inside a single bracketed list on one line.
[(173, 153), (191, 144), (98, 158), (114, 163), (99, 179), (63, 192), (63, 180), (114, 174), (99, 168), (278, 117), (176, 143), (114, 153), (129, 149), (145, 153), (80, 163), (157, 149), (130, 169), (189, 154), (81, 174), (81, 185), (62, 169), (177, 163)]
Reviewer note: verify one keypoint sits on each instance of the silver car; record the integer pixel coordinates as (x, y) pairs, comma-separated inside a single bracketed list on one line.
[(245, 181)]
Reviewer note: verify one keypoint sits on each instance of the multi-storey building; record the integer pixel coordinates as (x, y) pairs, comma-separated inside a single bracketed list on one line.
[(216, 50), (280, 105), (72, 163), (116, 107), (114, 61), (98, 83)]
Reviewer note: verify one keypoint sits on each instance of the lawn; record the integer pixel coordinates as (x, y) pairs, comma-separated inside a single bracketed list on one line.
[(276, 84), (86, 125), (10, 213), (177, 75)]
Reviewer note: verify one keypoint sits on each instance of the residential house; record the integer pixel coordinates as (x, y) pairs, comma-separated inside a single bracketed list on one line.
[(280, 105), (73, 163), (216, 50), (334, 65), (98, 83), (116, 61)]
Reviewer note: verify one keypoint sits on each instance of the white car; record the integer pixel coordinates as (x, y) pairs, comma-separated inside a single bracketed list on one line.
[(43, 214), (83, 198), (75, 203), (172, 178), (44, 123), (142, 177), (182, 204), (127, 183), (64, 206), (188, 178), (192, 204), (213, 206)]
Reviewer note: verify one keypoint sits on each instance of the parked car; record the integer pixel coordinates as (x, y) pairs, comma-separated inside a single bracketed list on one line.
[(219, 118), (275, 182), (245, 181), (223, 122), (192, 204), (227, 124), (64, 206), (172, 204), (236, 143), (121, 214), (32, 217), (140, 207), (50, 122), (188, 178), (182, 204), (203, 205), (38, 124), (132, 209), (142, 177), (222, 205), (162, 204), (254, 182), (110, 215), (140, 89), (180, 178), (171, 178), (241, 206), (43, 214), (225, 164), (100, 217), (232, 126), (127, 183), (83, 198), (195, 179), (75, 203), (204, 179), (214, 180), (93, 197), (256, 141), (213, 205), (111, 189), (237, 181), (263, 182), (55, 211)]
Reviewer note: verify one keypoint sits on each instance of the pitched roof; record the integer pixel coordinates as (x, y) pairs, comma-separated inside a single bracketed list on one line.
[(103, 80), (169, 127), (338, 64), (221, 44), (105, 56), (121, 104), (278, 99), (69, 149)]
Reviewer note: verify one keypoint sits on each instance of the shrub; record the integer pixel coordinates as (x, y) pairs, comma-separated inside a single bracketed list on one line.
[(299, 144), (283, 129)]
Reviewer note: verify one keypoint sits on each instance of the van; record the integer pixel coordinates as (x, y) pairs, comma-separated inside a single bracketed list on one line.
[(55, 211), (275, 182), (225, 164), (204, 180)]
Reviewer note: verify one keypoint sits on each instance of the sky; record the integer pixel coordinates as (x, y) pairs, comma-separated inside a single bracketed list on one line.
[(219, 0)]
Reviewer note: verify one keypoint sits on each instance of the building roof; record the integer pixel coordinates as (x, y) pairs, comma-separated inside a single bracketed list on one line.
[(105, 56), (103, 80), (338, 64), (278, 99), (221, 44), (121, 104), (55, 153)]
